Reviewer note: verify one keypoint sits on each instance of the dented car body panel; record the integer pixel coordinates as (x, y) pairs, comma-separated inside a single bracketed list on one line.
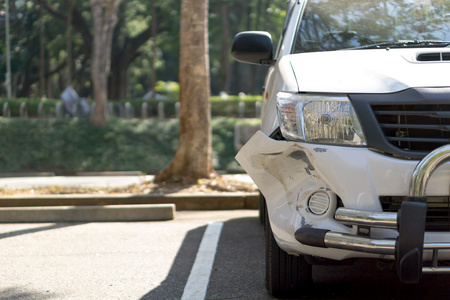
[(288, 173)]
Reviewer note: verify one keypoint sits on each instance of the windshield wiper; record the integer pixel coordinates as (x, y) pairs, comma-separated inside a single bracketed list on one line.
[(405, 44)]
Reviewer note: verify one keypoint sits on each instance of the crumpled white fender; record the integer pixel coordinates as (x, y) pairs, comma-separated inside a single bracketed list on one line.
[(286, 177)]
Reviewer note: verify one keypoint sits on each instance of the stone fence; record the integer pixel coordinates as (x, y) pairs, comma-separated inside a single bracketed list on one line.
[(118, 110)]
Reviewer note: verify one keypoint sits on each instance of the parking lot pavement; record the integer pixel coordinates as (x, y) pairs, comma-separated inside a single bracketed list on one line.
[(135, 260), (153, 260)]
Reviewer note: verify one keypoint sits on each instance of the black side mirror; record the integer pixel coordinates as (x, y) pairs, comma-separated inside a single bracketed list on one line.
[(253, 47)]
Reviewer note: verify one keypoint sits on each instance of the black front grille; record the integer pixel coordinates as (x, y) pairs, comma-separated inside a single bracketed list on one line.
[(416, 127), (438, 213), (407, 124)]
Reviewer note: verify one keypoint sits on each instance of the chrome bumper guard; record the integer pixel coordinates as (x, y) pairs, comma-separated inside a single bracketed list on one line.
[(409, 221)]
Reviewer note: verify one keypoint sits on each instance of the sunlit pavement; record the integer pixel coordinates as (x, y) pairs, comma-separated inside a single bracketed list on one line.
[(153, 260), (136, 260)]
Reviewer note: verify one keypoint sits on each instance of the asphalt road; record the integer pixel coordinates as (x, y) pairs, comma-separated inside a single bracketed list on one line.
[(153, 260), (136, 260)]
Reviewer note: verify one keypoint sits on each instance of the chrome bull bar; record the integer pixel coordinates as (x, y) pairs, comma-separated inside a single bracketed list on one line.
[(409, 221)]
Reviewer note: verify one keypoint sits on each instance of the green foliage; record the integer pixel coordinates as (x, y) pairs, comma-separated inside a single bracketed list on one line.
[(223, 142), (170, 89), (134, 18), (163, 48), (73, 145)]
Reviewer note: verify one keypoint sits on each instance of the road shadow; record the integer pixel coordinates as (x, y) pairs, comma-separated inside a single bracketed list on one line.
[(238, 269), (38, 229), (181, 268), (20, 293), (239, 272), (364, 280)]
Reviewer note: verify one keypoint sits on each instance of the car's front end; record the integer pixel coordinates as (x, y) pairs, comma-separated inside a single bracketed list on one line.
[(351, 158)]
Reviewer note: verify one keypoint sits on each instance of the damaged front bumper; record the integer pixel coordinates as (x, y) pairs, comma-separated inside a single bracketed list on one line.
[(407, 248), (323, 201)]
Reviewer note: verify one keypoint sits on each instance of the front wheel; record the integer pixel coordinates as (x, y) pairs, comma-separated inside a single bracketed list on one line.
[(262, 209), (286, 275)]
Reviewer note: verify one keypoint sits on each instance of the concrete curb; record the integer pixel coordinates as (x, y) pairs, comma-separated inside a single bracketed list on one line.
[(115, 208), (183, 202), (29, 174), (111, 213)]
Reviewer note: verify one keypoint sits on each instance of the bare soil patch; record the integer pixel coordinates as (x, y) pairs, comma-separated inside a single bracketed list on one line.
[(201, 186)]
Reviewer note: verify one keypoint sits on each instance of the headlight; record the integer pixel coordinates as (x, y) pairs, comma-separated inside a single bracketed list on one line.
[(319, 119)]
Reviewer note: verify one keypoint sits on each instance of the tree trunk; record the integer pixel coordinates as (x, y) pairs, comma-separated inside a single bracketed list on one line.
[(193, 159), (119, 78), (104, 14)]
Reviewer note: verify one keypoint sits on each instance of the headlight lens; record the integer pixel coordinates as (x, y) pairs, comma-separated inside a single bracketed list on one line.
[(319, 119)]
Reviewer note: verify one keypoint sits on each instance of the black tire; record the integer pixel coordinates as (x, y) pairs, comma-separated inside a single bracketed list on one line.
[(262, 209), (287, 275)]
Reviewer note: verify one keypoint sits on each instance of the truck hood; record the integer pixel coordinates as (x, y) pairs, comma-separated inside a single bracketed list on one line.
[(367, 71)]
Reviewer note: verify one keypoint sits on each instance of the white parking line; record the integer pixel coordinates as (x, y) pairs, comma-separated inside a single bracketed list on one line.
[(198, 280)]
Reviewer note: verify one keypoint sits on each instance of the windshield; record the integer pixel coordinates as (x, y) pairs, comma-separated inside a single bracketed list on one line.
[(341, 24)]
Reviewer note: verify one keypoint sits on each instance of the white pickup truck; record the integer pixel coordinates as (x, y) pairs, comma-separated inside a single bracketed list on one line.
[(351, 156)]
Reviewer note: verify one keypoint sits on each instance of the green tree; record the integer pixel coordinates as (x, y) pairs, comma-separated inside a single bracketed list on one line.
[(25, 56), (145, 45), (134, 31), (139, 29), (227, 18)]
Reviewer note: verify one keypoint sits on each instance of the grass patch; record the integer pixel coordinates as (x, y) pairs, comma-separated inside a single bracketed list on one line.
[(69, 146)]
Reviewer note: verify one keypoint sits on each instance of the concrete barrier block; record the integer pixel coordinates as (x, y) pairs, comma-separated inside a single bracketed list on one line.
[(108, 213)]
